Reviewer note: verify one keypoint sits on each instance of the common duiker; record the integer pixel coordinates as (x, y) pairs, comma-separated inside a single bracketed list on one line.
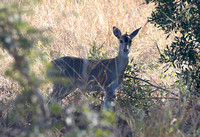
[(92, 75)]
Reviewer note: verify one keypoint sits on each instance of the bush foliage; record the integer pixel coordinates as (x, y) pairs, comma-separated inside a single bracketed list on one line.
[(182, 18)]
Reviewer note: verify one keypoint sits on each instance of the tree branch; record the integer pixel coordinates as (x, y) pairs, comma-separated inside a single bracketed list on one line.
[(150, 84)]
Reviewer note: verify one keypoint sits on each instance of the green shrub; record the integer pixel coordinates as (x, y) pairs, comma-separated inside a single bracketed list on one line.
[(182, 19)]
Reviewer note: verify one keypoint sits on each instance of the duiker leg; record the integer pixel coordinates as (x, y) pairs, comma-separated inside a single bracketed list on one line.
[(109, 95), (56, 90), (60, 91), (109, 99)]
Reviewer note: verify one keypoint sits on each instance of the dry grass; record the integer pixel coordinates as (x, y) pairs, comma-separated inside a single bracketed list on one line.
[(74, 26)]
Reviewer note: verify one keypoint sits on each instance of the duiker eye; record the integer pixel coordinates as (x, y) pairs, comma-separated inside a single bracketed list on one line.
[(121, 41)]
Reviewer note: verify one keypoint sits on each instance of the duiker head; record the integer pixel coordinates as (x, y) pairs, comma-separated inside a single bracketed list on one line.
[(125, 40)]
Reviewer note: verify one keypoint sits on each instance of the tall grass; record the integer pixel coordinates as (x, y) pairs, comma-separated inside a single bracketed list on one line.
[(75, 25)]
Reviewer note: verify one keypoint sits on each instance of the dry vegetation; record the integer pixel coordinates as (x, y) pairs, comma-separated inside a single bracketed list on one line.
[(74, 26)]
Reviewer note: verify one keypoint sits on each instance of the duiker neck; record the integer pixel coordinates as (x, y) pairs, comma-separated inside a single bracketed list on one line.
[(122, 62)]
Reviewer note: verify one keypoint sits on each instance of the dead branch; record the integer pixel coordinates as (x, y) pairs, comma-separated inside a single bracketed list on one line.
[(150, 84)]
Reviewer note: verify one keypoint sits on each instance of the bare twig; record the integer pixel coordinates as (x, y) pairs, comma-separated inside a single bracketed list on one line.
[(150, 84), (172, 98)]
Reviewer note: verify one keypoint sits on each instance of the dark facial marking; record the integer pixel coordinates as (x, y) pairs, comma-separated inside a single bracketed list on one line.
[(126, 38)]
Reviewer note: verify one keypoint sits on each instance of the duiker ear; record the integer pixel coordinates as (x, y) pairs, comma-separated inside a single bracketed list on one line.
[(134, 33), (117, 32)]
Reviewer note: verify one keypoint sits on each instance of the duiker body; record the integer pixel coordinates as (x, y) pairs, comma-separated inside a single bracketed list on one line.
[(92, 75)]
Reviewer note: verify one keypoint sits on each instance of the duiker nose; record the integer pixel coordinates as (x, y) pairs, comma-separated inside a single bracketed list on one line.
[(125, 50)]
